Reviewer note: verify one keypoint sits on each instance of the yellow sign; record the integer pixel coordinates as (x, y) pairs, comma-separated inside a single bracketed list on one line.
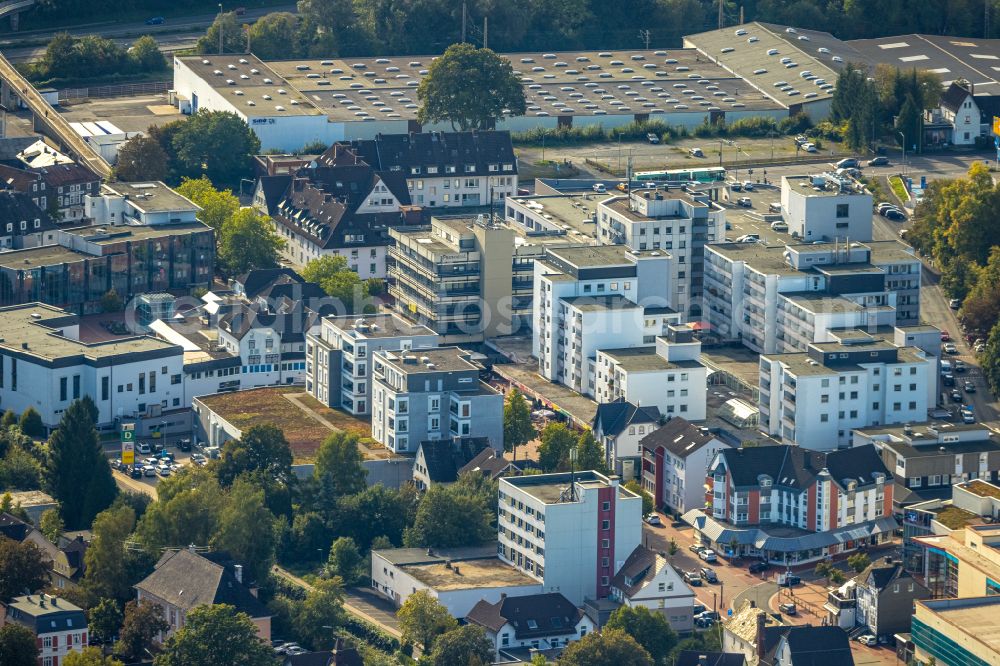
[(128, 444), (996, 126)]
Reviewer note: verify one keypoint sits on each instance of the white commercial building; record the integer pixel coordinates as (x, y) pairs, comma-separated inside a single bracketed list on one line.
[(591, 298), (144, 204), (826, 207), (432, 394), (667, 375), (44, 365), (666, 219), (782, 298), (339, 356), (815, 399), (572, 532)]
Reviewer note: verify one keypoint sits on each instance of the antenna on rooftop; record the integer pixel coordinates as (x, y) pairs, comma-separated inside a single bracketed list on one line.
[(572, 474), (644, 35)]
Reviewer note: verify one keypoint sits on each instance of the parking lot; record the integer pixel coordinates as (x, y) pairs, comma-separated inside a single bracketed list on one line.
[(152, 464)]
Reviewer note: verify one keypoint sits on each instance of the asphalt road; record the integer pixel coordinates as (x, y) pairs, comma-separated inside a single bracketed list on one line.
[(174, 34)]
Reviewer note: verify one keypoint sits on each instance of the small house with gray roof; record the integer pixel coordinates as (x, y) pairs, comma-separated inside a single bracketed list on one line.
[(540, 621)]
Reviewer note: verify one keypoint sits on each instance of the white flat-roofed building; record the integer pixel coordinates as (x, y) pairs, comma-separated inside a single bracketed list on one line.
[(458, 578), (826, 207), (428, 394), (148, 203), (571, 532), (666, 219), (815, 399), (783, 298), (339, 356)]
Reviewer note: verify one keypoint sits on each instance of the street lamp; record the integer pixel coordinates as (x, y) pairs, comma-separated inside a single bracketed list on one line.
[(903, 159)]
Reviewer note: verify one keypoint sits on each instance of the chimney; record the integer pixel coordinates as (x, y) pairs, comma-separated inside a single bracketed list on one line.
[(761, 621), (614, 479), (238, 572), (191, 548)]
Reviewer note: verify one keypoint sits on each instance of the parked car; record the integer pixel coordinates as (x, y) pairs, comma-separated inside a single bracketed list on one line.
[(135, 472), (868, 639), (954, 304), (736, 187), (969, 387), (696, 152), (787, 609), (703, 622), (698, 609), (745, 202), (884, 206), (801, 139), (956, 396), (895, 215), (708, 555), (652, 138), (148, 470), (788, 580), (144, 448), (692, 578), (708, 575), (599, 188), (809, 147), (695, 548), (748, 185), (774, 207), (949, 348), (156, 20), (968, 415), (948, 379), (708, 615), (622, 187), (757, 567), (184, 444), (163, 470), (945, 336), (878, 161), (847, 163), (653, 519), (779, 226)]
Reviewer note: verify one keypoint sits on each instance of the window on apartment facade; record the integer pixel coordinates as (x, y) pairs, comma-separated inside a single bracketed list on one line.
[(843, 210)]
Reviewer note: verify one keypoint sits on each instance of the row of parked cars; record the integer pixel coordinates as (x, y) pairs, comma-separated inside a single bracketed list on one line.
[(891, 212)]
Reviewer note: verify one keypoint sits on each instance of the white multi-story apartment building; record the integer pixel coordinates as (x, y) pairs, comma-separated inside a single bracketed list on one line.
[(43, 364), (782, 298), (591, 298), (675, 464), (432, 394), (667, 375), (572, 532), (666, 219), (815, 399), (826, 207), (338, 356)]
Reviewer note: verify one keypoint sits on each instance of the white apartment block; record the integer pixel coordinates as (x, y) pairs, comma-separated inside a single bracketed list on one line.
[(815, 399), (675, 464), (432, 394), (666, 219), (826, 207), (572, 532), (782, 298), (338, 356), (591, 298), (44, 365), (667, 375)]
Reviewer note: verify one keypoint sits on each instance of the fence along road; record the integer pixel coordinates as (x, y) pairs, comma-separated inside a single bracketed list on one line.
[(48, 118)]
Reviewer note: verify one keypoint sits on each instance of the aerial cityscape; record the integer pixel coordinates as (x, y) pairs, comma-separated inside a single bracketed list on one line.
[(465, 333)]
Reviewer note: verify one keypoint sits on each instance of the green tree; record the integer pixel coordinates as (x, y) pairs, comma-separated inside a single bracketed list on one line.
[(332, 274), (216, 144), (556, 442), (217, 206), (145, 55), (589, 454), (650, 629), (422, 619), (213, 636), (837, 577), (17, 646), (31, 423), (377, 511), (859, 562), (141, 158), (262, 448), (111, 301), (9, 419), (908, 122), (8, 506), (447, 518), (322, 608), (611, 647), (104, 619), (228, 27), (345, 561), (467, 645), (246, 529), (990, 360), (276, 35), (186, 512), (106, 557), (248, 241), (91, 656), (648, 505), (518, 429), (52, 525), (338, 470), (470, 88), (23, 569), (142, 622), (77, 472)]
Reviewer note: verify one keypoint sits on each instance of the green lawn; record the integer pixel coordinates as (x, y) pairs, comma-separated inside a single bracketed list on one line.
[(896, 183)]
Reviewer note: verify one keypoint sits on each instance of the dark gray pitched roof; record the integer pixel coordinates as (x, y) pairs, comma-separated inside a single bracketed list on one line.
[(629, 578), (444, 457), (702, 658), (258, 279), (953, 97), (13, 527), (60, 175), (796, 468), (679, 436), (390, 152), (613, 417), (819, 646), (187, 580), (489, 463), (273, 188), (17, 207), (532, 615)]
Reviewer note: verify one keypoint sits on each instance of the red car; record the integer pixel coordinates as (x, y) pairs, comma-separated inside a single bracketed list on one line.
[(945, 336)]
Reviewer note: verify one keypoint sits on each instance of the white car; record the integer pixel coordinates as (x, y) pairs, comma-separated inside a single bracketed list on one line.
[(653, 519), (867, 639), (708, 555)]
